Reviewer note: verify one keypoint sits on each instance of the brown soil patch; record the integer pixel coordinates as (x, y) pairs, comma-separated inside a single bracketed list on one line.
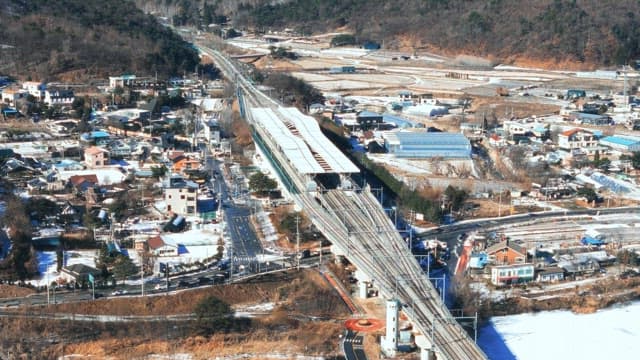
[(287, 330), (269, 63), (495, 105), (299, 292), (303, 339), (9, 291)]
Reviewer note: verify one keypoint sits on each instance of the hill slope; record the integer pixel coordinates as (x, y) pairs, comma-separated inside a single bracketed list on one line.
[(589, 31), (583, 32), (44, 39)]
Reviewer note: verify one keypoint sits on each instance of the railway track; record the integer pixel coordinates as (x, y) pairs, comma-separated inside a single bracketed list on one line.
[(355, 223)]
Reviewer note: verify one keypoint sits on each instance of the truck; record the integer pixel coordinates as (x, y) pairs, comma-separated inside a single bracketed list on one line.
[(592, 238)]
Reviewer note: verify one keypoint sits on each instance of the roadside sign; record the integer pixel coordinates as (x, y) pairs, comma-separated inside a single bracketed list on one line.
[(91, 279)]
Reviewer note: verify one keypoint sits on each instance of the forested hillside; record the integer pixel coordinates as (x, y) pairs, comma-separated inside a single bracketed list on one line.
[(594, 32), (44, 39)]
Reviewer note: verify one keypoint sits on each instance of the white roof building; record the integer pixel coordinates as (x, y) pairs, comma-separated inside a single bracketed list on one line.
[(300, 138)]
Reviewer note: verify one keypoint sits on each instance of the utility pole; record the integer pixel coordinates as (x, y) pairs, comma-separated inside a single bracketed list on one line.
[(624, 91), (320, 265), (48, 299), (411, 231), (142, 272), (297, 242), (231, 267)]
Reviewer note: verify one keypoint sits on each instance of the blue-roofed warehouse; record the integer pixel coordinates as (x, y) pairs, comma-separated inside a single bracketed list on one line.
[(420, 145), (625, 144)]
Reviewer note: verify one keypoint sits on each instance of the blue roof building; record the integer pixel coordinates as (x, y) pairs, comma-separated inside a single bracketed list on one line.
[(96, 137), (625, 144), (421, 145), (399, 121)]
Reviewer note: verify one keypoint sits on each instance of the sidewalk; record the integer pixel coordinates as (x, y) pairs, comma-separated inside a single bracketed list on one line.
[(344, 294)]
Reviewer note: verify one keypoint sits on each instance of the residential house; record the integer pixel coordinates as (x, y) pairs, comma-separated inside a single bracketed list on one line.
[(119, 149), (11, 96), (35, 89), (368, 120), (578, 139), (96, 157), (515, 128), (550, 274), (209, 106), (590, 119), (121, 81), (160, 246), (511, 274), (99, 138), (506, 253), (600, 256), (78, 273), (174, 155), (406, 97), (141, 245), (58, 96), (496, 140), (211, 131), (470, 127), (186, 164), (180, 195), (37, 184), (426, 99), (576, 266), (83, 182)]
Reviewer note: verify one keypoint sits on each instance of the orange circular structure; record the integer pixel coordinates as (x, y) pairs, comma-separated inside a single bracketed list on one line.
[(364, 325)]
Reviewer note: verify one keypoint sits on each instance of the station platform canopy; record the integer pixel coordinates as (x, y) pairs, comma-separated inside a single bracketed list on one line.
[(300, 139)]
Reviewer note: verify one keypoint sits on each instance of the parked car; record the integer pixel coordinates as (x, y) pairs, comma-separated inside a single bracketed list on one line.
[(162, 286)]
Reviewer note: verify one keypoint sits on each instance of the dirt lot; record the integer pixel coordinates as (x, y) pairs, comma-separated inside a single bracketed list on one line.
[(288, 329), (304, 293), (9, 291)]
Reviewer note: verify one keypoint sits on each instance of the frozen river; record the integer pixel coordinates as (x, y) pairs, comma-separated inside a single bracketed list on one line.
[(612, 333)]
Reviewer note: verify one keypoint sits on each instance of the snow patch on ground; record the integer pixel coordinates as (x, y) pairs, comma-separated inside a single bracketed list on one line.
[(564, 335), (254, 310), (48, 264)]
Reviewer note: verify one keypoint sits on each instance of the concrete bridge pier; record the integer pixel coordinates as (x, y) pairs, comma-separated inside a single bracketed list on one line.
[(426, 348), (389, 342), (363, 288), (363, 283)]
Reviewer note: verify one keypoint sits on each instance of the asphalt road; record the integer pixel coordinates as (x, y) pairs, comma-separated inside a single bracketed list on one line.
[(352, 345), (243, 237)]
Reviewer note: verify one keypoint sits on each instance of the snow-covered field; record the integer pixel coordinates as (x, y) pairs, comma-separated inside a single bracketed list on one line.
[(607, 334)]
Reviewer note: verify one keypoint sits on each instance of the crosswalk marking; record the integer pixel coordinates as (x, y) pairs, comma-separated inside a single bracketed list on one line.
[(356, 340), (244, 259)]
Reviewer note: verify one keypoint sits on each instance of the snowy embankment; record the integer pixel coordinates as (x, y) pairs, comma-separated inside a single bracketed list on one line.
[(606, 334)]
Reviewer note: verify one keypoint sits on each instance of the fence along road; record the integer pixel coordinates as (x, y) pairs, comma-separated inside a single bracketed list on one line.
[(357, 225)]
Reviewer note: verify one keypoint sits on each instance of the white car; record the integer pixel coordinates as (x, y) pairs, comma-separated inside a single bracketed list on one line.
[(161, 286)]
